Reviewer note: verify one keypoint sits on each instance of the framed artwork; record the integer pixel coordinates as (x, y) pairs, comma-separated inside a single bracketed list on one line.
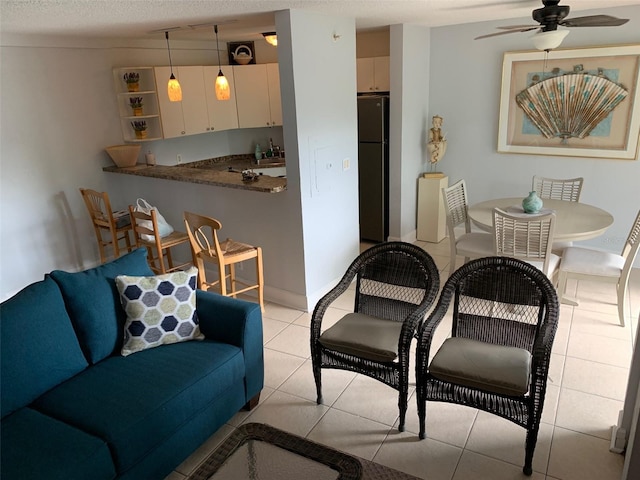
[(241, 53), (580, 102)]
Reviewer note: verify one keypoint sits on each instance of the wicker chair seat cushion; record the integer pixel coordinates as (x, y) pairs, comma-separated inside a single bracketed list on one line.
[(364, 336), (493, 368), (592, 262)]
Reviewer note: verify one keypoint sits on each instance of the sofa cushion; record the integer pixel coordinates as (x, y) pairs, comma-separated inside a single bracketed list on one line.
[(35, 446), (160, 309), (94, 304), (38, 347), (137, 402)]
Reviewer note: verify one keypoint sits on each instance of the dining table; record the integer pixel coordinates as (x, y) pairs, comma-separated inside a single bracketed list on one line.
[(575, 221)]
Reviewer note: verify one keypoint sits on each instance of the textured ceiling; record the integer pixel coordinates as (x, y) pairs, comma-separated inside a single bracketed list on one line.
[(239, 18)]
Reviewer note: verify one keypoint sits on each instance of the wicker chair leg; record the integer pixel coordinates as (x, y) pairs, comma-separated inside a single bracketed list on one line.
[(532, 438), (402, 406), (422, 413), (318, 378)]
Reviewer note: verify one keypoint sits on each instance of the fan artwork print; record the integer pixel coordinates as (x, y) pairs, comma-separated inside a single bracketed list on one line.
[(581, 103)]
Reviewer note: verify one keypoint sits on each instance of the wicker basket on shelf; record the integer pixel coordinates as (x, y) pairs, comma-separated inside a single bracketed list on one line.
[(124, 155)]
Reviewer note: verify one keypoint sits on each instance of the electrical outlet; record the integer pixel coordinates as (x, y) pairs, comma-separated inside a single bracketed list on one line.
[(179, 158), (346, 164)]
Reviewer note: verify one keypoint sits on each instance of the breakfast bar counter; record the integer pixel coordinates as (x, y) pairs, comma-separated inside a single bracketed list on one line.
[(213, 172)]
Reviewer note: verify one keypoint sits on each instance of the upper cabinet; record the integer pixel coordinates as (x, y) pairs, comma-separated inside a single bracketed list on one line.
[(130, 95), (223, 114), (258, 95), (190, 116), (373, 74)]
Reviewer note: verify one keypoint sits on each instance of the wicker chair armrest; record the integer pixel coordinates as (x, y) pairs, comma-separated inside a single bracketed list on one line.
[(327, 300)]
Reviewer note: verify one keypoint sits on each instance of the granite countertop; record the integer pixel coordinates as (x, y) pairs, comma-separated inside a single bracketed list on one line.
[(213, 171)]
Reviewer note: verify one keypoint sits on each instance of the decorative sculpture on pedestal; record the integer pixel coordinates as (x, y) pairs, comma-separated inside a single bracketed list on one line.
[(437, 145)]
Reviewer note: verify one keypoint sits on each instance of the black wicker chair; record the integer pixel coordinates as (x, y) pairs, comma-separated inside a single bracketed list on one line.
[(505, 316), (396, 283)]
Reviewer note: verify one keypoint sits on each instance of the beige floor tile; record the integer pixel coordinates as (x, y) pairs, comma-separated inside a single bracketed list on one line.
[(600, 324), (280, 312), (288, 412), (473, 466), (561, 340), (587, 413), (370, 399), (427, 458), (279, 366), (242, 415), (599, 379), (304, 320), (576, 456), (270, 328), (200, 455), (550, 408), (501, 439), (293, 340), (556, 369), (610, 351), (345, 301), (349, 433), (445, 422), (302, 383)]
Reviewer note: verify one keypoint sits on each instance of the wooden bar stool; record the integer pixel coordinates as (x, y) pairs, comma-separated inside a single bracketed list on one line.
[(205, 247), (110, 228), (161, 245)]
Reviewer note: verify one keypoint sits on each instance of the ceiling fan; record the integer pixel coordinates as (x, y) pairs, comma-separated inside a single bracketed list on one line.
[(552, 15)]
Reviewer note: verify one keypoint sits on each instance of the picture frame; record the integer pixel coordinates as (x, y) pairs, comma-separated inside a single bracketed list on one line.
[(245, 51), (615, 137)]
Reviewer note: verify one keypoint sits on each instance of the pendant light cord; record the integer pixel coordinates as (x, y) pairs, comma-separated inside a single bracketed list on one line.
[(215, 29), (166, 35)]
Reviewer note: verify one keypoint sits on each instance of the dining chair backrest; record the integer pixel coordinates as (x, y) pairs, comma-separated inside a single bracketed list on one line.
[(631, 247), (456, 205), (526, 237), (558, 189)]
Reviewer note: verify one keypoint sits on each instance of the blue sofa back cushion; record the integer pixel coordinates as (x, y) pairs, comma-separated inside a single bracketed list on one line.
[(38, 347), (93, 303)]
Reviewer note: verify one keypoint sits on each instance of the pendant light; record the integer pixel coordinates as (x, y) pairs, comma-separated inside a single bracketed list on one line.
[(271, 38), (223, 91), (173, 87)]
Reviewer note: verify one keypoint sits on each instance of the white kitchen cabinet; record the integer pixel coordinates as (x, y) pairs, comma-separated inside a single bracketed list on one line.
[(147, 90), (190, 116), (373, 74), (223, 114), (253, 85)]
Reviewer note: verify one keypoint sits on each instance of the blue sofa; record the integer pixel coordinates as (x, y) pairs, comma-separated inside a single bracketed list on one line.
[(74, 408)]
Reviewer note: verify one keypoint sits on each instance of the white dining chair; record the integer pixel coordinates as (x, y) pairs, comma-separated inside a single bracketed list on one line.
[(558, 189), (528, 237), (468, 244), (568, 189), (590, 264)]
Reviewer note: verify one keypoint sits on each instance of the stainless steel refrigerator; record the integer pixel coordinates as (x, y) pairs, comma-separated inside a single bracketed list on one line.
[(373, 167)]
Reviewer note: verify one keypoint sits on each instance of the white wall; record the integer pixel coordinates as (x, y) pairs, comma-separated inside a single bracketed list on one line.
[(465, 91), (409, 123), (321, 107)]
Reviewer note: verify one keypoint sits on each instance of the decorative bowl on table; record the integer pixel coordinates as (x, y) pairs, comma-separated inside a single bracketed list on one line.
[(124, 155)]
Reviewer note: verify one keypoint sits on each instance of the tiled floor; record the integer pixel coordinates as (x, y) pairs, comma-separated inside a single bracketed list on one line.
[(589, 368)]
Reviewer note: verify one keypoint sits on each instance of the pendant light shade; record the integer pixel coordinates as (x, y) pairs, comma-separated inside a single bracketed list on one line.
[(173, 87), (223, 90), (271, 38)]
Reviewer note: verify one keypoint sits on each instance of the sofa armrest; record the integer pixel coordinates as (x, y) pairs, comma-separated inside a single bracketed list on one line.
[(239, 323)]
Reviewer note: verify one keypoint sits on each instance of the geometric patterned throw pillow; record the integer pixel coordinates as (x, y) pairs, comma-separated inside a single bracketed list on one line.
[(160, 310)]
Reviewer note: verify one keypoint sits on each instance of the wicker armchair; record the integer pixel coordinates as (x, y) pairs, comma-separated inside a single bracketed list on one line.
[(396, 283), (505, 316)]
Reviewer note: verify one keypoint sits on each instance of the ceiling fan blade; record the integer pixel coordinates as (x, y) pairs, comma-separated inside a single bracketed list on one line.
[(528, 29), (594, 21), (515, 27)]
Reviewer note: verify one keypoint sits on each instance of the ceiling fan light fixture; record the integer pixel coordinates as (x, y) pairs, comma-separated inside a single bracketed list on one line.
[(548, 40), (271, 38)]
